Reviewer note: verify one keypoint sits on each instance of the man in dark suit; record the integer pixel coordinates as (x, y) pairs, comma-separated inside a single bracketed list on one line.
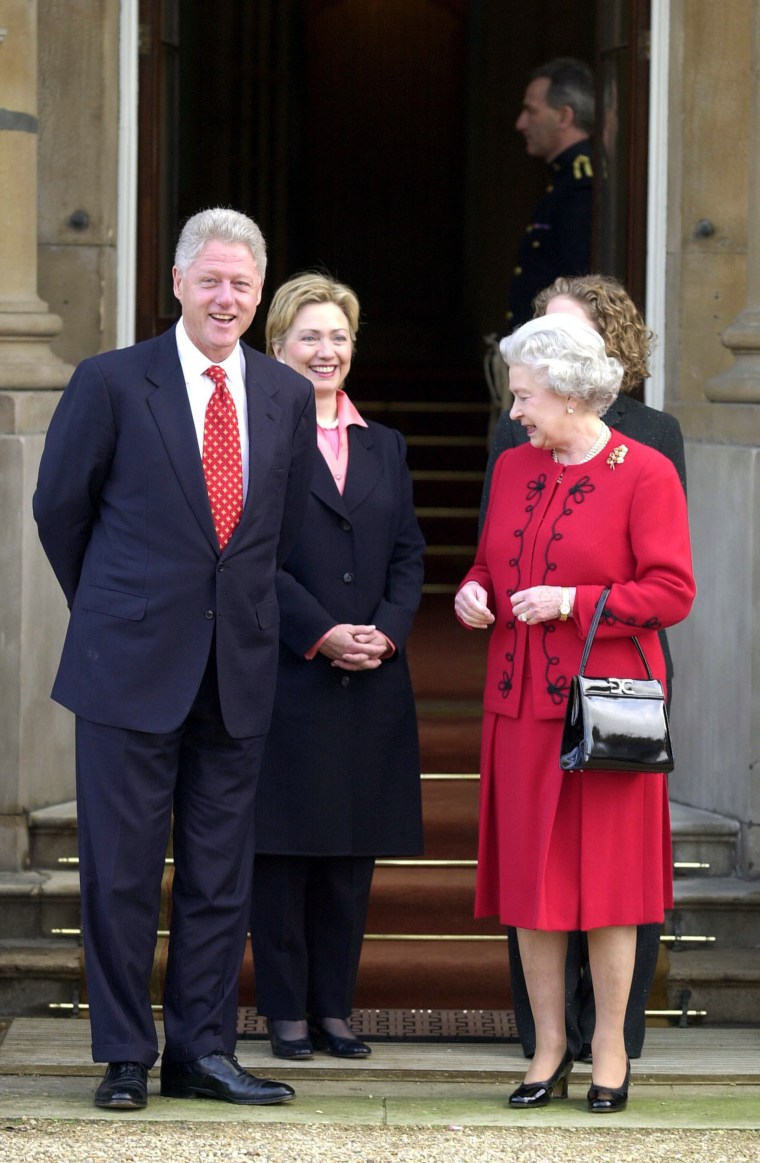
[(170, 659), (556, 121)]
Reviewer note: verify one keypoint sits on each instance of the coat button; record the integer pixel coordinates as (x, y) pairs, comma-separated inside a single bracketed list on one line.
[(220, 569), (209, 614), (345, 525), (345, 680), (348, 578)]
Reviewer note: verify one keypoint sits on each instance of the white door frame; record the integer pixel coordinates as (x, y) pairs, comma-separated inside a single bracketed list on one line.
[(126, 203), (657, 196)]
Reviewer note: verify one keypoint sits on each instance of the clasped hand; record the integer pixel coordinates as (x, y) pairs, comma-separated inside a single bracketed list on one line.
[(536, 604), (355, 647)]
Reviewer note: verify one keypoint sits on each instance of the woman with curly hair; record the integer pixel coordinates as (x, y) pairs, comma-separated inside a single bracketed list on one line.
[(605, 304)]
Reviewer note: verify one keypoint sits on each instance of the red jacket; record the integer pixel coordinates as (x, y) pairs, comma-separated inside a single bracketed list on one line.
[(588, 526)]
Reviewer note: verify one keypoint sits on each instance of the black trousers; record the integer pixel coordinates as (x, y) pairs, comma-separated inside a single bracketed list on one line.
[(129, 785), (580, 1011), (307, 926)]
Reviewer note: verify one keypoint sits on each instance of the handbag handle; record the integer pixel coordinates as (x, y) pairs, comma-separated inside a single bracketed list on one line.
[(592, 631)]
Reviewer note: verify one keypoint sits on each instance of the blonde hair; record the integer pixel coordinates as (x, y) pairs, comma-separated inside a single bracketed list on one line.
[(303, 289), (612, 310)]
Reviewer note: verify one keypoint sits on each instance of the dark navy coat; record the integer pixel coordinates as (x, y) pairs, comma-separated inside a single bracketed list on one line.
[(341, 770), (125, 520)]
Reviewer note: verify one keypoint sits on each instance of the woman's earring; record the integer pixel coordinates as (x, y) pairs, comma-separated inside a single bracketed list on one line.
[(570, 410)]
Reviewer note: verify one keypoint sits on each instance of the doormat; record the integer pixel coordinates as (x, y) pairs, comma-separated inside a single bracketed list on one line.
[(409, 1025)]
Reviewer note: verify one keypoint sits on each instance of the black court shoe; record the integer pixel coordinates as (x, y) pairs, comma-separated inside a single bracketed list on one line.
[(532, 1094), (606, 1099), (337, 1044), (292, 1048)]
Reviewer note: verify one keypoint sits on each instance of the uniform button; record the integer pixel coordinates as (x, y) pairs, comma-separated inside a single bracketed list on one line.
[(345, 525), (345, 680), (535, 245), (509, 315), (518, 270), (550, 189), (209, 614), (348, 578)]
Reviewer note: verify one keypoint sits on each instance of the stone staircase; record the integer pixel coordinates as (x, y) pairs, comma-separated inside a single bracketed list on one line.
[(423, 947)]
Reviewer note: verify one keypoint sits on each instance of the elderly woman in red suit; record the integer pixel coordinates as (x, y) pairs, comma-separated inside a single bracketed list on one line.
[(340, 781), (575, 510)]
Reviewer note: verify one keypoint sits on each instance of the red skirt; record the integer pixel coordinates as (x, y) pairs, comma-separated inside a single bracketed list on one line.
[(566, 850)]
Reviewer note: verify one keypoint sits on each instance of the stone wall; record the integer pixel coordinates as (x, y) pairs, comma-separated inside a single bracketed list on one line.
[(713, 137), (77, 195)]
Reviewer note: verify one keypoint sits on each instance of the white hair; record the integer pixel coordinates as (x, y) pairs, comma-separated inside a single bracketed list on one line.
[(567, 356), (219, 224)]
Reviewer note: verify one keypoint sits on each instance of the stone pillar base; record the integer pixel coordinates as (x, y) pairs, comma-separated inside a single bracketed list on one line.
[(739, 384), (36, 735), (26, 360)]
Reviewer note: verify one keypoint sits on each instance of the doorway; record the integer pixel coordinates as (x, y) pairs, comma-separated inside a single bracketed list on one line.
[(371, 137)]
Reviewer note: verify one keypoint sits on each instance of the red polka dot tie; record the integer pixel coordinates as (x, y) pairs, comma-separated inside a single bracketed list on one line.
[(222, 463)]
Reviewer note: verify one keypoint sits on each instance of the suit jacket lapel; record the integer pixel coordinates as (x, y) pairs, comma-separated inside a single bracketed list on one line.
[(263, 419), (363, 472), (171, 411), (323, 486), (363, 466)]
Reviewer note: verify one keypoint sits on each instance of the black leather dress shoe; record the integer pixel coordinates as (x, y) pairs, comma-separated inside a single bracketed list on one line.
[(292, 1048), (337, 1045), (221, 1076), (124, 1087)]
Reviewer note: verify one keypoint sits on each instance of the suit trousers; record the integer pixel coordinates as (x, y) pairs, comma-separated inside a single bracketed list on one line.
[(580, 1012), (307, 927), (129, 783)]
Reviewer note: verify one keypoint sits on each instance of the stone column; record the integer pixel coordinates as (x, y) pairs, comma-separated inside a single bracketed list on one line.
[(741, 382), (35, 736)]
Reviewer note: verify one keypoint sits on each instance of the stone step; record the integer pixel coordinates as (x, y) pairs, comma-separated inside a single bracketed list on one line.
[(727, 908), (439, 487), (426, 417), (34, 974), (704, 837), (724, 981), (34, 904), (52, 834), (451, 817), (446, 890)]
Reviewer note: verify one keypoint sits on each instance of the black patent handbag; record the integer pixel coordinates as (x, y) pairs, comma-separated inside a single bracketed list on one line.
[(615, 724)]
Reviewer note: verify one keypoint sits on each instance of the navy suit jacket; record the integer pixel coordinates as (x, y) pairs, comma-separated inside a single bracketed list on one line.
[(124, 518)]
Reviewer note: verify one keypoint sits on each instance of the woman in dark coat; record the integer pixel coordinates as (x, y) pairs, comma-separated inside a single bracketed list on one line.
[(340, 779)]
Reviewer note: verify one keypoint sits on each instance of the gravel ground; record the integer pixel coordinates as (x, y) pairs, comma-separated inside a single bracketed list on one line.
[(32, 1141)]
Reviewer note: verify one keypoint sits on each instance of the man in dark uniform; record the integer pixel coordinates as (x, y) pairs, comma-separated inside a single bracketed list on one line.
[(556, 120)]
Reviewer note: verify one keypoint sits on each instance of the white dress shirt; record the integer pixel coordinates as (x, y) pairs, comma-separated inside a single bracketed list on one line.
[(200, 388)]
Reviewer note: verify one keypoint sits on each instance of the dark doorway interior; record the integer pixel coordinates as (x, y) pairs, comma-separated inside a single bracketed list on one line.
[(373, 137)]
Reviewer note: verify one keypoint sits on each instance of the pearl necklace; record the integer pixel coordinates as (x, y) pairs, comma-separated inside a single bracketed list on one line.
[(597, 446)]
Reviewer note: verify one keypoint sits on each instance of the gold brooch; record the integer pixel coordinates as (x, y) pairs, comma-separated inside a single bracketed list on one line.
[(617, 456)]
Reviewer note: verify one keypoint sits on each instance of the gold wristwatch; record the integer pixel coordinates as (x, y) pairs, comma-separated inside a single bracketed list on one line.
[(564, 604)]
